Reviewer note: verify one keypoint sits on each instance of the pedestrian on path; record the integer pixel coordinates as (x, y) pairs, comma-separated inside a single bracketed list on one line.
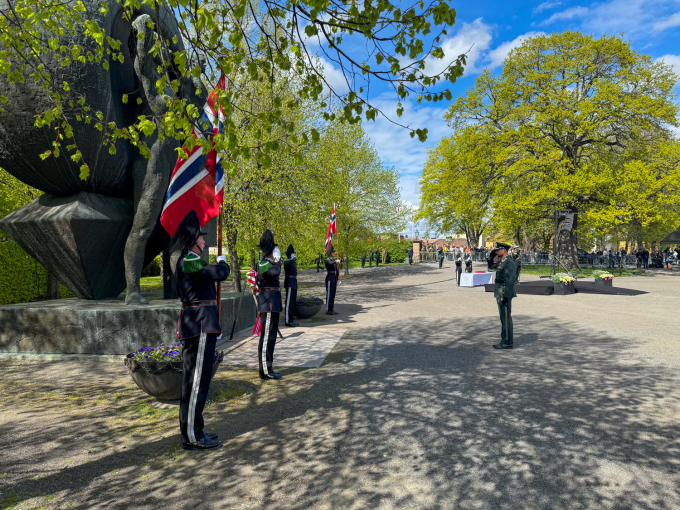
[(459, 267), (197, 329), (504, 290), (290, 284), (268, 304)]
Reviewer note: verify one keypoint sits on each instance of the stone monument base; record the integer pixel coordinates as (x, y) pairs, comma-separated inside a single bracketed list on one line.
[(75, 326)]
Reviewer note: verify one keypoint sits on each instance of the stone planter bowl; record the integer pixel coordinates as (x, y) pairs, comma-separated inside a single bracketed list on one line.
[(161, 379), (308, 308), (603, 283), (560, 289)]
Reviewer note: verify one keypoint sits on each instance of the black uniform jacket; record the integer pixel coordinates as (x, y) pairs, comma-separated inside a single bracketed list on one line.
[(290, 269), (196, 287), (269, 299), (332, 270)]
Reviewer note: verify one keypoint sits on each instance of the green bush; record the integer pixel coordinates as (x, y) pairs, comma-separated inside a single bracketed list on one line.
[(22, 279), (153, 268)]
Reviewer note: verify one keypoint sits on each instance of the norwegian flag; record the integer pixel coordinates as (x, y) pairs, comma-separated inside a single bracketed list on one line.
[(332, 229), (197, 182)]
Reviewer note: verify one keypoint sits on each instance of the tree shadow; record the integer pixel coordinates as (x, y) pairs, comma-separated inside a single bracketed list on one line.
[(571, 418)]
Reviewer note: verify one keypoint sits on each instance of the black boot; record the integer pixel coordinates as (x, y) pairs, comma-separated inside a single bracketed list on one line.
[(502, 346)]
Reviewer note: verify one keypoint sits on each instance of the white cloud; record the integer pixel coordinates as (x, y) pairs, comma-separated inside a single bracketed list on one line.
[(669, 22), (573, 12), (496, 56), (472, 38), (396, 147), (546, 5), (334, 76), (671, 60)]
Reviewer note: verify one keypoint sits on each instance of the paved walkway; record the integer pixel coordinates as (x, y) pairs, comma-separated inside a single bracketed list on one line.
[(412, 408), (300, 347)]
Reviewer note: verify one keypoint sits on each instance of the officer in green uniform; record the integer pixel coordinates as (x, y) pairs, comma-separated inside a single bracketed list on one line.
[(504, 290)]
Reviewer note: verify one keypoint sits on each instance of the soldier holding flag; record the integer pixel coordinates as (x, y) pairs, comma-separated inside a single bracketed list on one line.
[(332, 267)]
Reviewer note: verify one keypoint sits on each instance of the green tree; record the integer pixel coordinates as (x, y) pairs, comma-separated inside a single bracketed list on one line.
[(252, 42), (567, 119)]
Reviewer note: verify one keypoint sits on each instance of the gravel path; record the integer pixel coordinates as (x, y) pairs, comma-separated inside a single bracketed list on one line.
[(412, 409)]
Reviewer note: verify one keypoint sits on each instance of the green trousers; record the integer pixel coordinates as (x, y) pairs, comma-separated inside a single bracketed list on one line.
[(505, 327)]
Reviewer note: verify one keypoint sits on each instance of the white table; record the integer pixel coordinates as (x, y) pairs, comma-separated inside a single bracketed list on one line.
[(473, 279)]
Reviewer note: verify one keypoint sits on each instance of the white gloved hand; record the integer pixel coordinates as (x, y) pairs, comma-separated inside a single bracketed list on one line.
[(221, 258), (277, 254), (292, 257), (337, 260)]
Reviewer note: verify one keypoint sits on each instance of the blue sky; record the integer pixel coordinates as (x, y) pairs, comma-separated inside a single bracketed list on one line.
[(489, 30)]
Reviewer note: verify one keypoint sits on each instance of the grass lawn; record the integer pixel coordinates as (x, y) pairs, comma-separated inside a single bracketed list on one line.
[(582, 273)]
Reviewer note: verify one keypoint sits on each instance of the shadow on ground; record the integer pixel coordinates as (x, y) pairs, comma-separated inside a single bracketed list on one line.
[(417, 415)]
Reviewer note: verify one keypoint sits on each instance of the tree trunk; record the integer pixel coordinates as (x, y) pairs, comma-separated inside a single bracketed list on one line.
[(567, 243), (53, 291), (346, 265)]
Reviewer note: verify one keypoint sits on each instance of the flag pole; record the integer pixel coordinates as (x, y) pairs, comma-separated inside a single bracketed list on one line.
[(219, 252)]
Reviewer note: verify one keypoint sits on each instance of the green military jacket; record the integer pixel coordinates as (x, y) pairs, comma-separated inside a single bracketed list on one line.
[(506, 275)]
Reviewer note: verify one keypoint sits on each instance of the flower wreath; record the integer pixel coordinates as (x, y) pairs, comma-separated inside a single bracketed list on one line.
[(251, 278)]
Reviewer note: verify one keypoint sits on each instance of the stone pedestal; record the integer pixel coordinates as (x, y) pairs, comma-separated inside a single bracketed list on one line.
[(75, 326)]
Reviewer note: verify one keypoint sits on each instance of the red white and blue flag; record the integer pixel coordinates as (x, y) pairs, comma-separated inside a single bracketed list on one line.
[(332, 229), (197, 182)]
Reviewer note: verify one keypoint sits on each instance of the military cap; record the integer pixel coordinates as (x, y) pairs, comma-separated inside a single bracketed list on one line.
[(502, 246)]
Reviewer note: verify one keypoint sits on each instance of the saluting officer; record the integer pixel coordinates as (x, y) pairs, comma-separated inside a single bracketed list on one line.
[(332, 271), (197, 329), (268, 304), (504, 290), (290, 284)]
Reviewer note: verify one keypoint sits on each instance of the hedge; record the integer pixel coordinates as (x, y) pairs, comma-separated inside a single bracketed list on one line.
[(22, 279)]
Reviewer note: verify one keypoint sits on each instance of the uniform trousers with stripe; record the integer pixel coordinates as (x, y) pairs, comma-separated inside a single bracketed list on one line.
[(265, 350), (331, 287), (198, 356), (291, 298), (459, 271)]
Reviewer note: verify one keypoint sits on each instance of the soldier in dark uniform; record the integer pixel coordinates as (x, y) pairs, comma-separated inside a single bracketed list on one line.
[(410, 256), (197, 329), (440, 256), (363, 260), (377, 258), (268, 304), (459, 268), (332, 271), (517, 258), (370, 258), (290, 284), (504, 290), (468, 263)]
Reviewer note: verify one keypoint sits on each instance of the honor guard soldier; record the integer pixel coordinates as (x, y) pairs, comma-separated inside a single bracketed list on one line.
[(459, 268), (504, 290), (198, 327), (517, 257), (363, 260), (440, 256), (268, 304), (332, 272), (290, 284), (370, 258)]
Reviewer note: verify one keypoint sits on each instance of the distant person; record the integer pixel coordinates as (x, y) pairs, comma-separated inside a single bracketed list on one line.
[(410, 256), (645, 258), (517, 258), (290, 284), (370, 258), (377, 257), (440, 256), (363, 260), (459, 267), (468, 263)]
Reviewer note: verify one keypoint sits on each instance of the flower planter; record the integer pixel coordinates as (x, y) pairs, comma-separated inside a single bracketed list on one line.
[(603, 283), (561, 289), (307, 308), (161, 379)]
